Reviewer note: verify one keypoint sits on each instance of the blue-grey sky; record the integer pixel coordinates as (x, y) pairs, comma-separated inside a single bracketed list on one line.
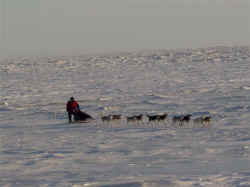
[(71, 27)]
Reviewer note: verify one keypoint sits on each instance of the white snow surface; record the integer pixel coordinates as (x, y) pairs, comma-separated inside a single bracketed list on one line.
[(39, 148)]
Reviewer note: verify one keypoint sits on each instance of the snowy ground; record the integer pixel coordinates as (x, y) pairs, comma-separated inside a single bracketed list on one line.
[(39, 148)]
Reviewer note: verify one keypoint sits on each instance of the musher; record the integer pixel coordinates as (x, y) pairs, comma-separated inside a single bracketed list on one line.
[(72, 108)]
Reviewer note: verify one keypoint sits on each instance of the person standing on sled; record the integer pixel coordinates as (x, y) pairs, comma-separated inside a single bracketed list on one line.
[(72, 108)]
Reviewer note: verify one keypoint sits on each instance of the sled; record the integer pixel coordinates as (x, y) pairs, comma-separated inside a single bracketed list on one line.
[(82, 117)]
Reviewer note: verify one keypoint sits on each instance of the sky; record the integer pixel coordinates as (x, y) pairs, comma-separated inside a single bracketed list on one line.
[(72, 27)]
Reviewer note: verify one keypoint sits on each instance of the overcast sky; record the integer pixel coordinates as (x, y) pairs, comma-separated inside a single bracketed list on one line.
[(65, 27)]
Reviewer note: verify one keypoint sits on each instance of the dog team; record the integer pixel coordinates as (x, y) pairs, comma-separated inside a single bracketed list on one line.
[(180, 120)]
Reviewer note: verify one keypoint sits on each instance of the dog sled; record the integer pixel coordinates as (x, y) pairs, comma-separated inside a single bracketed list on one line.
[(82, 117)]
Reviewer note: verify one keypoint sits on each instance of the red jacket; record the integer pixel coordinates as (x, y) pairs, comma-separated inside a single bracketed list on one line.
[(72, 106)]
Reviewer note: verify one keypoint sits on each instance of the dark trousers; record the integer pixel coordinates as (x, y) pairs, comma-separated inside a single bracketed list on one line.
[(70, 114)]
